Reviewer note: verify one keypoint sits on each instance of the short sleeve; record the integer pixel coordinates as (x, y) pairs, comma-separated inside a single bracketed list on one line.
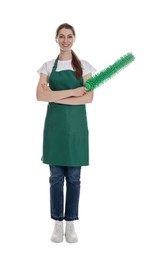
[(46, 68), (43, 69), (87, 67)]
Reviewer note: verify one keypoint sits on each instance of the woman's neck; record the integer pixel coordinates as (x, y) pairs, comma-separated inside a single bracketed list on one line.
[(65, 55)]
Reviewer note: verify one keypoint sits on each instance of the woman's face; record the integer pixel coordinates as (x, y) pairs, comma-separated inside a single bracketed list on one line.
[(65, 39)]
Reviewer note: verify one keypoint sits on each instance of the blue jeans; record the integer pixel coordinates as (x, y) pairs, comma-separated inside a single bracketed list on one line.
[(57, 176)]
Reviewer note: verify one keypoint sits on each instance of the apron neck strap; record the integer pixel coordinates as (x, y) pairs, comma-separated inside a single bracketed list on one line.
[(55, 63)]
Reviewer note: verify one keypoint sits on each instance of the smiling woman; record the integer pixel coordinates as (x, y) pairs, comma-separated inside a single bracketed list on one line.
[(65, 37), (65, 139)]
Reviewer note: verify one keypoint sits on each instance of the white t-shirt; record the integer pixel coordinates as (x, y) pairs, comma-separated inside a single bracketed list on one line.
[(47, 67)]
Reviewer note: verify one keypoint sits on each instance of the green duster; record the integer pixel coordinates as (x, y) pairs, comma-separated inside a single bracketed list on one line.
[(101, 77)]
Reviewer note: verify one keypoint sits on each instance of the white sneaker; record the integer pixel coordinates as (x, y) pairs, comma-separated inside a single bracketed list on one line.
[(70, 234), (57, 235)]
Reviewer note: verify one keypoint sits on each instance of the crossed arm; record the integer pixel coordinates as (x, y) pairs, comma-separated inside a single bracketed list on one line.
[(76, 96)]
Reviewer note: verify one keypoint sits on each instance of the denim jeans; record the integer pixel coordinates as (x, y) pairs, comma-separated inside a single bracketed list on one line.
[(72, 177)]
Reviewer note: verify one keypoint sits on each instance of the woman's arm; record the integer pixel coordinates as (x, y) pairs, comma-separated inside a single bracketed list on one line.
[(44, 93), (85, 99), (80, 100)]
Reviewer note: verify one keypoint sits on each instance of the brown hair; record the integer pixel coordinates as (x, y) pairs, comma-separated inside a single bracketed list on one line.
[(76, 64)]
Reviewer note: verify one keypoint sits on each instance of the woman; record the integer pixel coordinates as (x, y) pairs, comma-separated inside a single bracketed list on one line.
[(65, 140)]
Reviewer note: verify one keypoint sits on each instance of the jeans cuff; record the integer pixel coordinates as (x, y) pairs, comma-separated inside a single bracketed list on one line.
[(57, 218), (71, 219)]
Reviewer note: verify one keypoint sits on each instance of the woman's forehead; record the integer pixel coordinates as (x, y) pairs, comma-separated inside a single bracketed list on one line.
[(65, 31)]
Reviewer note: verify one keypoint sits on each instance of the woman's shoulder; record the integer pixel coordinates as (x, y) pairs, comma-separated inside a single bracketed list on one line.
[(84, 63), (46, 67), (87, 67), (50, 63)]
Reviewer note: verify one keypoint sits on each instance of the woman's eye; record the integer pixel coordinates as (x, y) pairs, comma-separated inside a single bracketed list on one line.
[(63, 37)]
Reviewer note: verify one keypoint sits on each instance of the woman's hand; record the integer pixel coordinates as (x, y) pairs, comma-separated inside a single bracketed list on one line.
[(78, 92)]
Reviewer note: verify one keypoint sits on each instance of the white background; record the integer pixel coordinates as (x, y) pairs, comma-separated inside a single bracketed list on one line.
[(119, 204)]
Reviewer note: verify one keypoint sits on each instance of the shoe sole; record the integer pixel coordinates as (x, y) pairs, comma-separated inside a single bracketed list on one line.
[(56, 241)]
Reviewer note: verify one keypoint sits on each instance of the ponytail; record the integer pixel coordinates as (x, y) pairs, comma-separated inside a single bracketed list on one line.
[(76, 65)]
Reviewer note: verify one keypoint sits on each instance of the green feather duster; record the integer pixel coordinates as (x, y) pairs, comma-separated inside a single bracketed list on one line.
[(101, 77)]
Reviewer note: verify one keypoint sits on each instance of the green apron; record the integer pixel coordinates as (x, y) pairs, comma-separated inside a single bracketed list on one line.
[(65, 137)]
